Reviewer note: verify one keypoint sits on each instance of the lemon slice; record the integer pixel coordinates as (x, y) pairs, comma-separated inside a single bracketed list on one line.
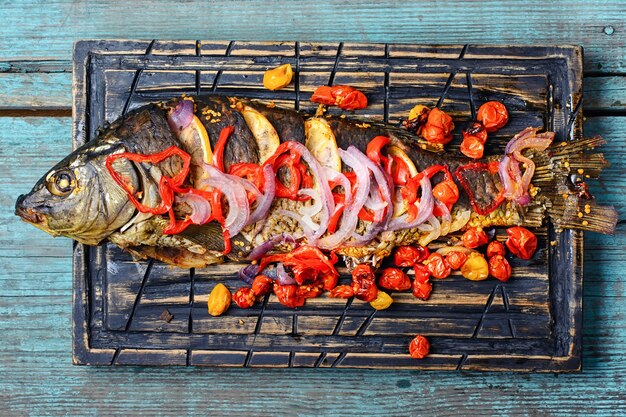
[(321, 142), (396, 151), (264, 133), (195, 141)]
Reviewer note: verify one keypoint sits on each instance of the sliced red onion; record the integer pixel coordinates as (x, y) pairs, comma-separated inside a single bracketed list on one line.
[(505, 177), (343, 181), (529, 138), (200, 207), (424, 209), (248, 273), (235, 192), (264, 201), (314, 208), (350, 219), (181, 116), (269, 272), (432, 230), (258, 252), (282, 277), (446, 217)]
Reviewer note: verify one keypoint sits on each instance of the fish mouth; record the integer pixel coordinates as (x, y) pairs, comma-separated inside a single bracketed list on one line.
[(29, 214)]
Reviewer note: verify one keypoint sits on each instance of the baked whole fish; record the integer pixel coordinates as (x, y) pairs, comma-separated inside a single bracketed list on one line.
[(194, 180)]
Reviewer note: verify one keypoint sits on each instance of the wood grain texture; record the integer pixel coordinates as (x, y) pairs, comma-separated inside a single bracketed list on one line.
[(598, 25), (38, 379)]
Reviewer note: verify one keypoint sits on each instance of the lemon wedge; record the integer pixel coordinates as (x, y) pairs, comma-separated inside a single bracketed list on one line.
[(264, 133), (321, 142), (195, 141), (396, 151)]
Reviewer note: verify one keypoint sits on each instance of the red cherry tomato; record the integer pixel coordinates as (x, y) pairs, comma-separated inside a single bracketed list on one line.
[(438, 127), (394, 279), (342, 291), (410, 255), (493, 115), (455, 259), (495, 248), (472, 147), (447, 192), (476, 130), (474, 238), (437, 266), (309, 291), (288, 295), (499, 268), (419, 347), (521, 242)]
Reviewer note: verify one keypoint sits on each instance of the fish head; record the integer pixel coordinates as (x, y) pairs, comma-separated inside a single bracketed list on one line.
[(78, 198)]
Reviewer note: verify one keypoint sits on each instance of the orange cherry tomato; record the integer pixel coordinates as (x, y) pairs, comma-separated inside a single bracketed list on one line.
[(474, 238), (437, 266), (495, 248), (410, 255), (244, 297), (394, 279), (438, 127), (493, 115), (421, 287), (521, 242), (288, 295), (455, 259), (262, 285), (472, 147), (329, 281), (447, 192), (499, 268), (419, 347), (422, 274), (342, 291), (323, 95)]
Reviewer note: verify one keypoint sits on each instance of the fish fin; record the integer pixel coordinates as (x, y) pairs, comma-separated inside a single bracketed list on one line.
[(210, 237), (561, 174)]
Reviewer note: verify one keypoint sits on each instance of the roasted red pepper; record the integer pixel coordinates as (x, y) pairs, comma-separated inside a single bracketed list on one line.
[(521, 242), (218, 155), (343, 96), (308, 263), (288, 295), (419, 347), (262, 285), (493, 115), (286, 156), (244, 297), (394, 279), (374, 148)]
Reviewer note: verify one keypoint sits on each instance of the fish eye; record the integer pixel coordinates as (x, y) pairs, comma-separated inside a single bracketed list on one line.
[(61, 183)]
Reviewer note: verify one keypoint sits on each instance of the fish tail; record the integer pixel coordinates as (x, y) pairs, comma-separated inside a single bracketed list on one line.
[(561, 176)]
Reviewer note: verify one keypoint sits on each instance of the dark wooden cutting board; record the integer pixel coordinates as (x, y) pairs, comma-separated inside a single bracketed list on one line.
[(531, 323)]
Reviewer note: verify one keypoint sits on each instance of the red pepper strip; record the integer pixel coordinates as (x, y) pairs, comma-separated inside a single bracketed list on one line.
[(307, 179), (374, 147), (297, 171), (485, 210), (398, 169), (166, 194), (251, 172), (221, 145), (340, 205), (409, 192)]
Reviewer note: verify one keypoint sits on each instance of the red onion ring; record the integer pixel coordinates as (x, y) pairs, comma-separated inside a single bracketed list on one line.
[(181, 116), (235, 192), (264, 202), (424, 209), (282, 277), (258, 252), (313, 209), (248, 273), (200, 207)]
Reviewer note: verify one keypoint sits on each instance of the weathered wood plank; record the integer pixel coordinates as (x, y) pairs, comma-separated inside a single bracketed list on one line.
[(597, 25), (605, 93)]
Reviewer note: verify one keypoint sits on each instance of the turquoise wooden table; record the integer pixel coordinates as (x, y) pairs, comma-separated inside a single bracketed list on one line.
[(36, 375)]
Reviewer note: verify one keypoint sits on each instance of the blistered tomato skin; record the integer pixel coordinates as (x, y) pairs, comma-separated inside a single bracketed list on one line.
[(474, 238), (421, 289), (394, 279), (521, 242), (495, 248), (365, 289), (382, 301), (419, 347), (438, 127), (342, 291), (262, 285), (288, 295), (455, 259), (476, 267), (437, 266), (499, 268), (406, 256), (493, 115)]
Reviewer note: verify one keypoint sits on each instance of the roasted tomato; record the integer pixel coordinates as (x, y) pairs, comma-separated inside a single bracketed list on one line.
[(476, 130), (288, 295), (262, 285), (521, 242), (447, 192), (309, 291), (329, 281), (455, 259), (474, 238), (476, 267), (365, 289), (410, 255), (437, 266), (342, 291), (495, 248), (493, 115), (419, 347), (499, 268), (472, 147), (421, 290), (438, 127), (394, 279), (244, 297)]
